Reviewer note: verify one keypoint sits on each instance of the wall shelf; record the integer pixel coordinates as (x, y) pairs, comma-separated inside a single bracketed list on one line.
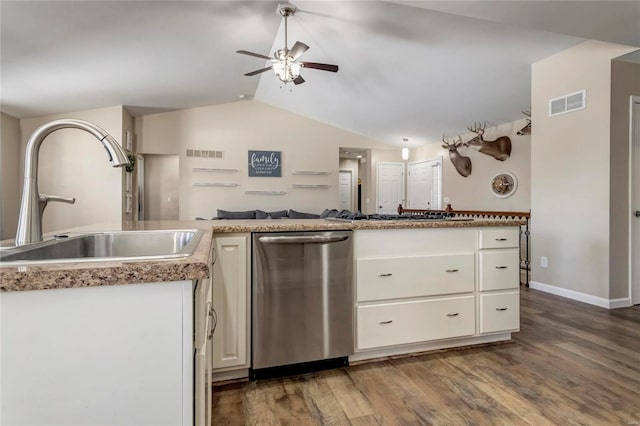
[(298, 185), (310, 172), (219, 184), (208, 169), (265, 192)]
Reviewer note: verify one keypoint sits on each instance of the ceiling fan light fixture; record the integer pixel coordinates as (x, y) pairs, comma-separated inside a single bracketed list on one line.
[(284, 62), (286, 71)]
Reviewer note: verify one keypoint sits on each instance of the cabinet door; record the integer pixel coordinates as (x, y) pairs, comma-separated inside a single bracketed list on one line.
[(403, 277), (111, 355), (499, 269), (507, 237), (389, 324), (203, 358), (500, 312), (230, 301)]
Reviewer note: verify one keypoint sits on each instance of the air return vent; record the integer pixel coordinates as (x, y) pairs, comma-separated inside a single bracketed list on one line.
[(204, 153), (568, 103)]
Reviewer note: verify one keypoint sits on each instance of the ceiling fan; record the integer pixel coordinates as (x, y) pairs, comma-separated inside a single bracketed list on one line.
[(285, 62)]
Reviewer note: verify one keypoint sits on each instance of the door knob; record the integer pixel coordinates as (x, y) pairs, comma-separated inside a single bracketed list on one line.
[(637, 213)]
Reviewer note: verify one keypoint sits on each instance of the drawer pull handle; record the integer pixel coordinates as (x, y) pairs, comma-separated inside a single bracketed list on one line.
[(385, 322), (501, 239), (452, 270), (501, 309), (501, 267), (384, 275), (453, 315)]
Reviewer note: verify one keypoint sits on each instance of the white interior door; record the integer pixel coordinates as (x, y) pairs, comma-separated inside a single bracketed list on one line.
[(424, 185), (390, 183), (635, 201), (345, 185), (419, 186)]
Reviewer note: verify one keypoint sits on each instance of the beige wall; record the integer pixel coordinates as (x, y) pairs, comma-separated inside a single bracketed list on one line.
[(570, 169), (10, 188), (74, 164), (625, 82), (236, 128), (473, 192)]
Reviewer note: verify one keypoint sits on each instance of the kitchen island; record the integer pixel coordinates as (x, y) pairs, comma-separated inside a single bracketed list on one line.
[(118, 337), (419, 285)]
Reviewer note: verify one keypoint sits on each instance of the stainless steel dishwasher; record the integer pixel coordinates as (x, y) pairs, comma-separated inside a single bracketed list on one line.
[(302, 313)]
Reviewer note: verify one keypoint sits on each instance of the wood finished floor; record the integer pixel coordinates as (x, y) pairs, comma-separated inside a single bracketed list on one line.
[(571, 363)]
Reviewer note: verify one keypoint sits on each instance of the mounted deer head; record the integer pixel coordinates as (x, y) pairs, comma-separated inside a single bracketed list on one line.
[(526, 130), (500, 149), (460, 162)]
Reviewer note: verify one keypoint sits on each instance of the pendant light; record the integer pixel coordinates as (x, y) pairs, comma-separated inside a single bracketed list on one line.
[(405, 151)]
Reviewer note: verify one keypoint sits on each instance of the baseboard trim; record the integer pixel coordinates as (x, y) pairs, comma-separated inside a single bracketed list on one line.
[(420, 348), (623, 302), (581, 297)]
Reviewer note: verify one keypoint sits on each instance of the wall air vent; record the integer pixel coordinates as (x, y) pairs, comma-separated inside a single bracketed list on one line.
[(568, 103), (205, 153)]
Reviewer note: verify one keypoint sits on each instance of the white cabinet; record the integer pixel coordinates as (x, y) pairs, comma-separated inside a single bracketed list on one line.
[(202, 345), (499, 281), (106, 355), (422, 290), (499, 269), (500, 238), (231, 281), (499, 311), (431, 288), (400, 323), (415, 276)]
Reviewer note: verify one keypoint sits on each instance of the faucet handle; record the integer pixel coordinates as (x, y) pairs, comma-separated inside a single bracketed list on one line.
[(44, 200)]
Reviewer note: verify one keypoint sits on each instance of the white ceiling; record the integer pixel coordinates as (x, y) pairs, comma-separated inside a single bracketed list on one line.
[(407, 69)]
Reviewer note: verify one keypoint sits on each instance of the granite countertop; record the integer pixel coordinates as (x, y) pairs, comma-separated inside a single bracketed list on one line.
[(283, 225), (88, 274)]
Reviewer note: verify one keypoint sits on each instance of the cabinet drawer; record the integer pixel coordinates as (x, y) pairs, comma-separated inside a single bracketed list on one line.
[(417, 321), (499, 270), (395, 278), (500, 312), (507, 237)]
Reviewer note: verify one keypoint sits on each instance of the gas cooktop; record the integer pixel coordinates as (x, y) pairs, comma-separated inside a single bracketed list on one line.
[(381, 217)]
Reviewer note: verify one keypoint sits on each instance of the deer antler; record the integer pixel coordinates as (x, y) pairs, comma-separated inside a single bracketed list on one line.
[(448, 144), (477, 128)]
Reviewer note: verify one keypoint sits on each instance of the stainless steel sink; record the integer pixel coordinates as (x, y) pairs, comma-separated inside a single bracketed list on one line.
[(120, 245)]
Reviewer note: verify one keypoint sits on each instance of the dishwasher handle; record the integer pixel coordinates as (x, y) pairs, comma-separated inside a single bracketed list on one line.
[(303, 239)]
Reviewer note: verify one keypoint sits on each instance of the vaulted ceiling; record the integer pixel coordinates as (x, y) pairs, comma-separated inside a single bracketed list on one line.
[(410, 69)]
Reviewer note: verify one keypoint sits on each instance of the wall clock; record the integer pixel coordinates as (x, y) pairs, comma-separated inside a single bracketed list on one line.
[(503, 185)]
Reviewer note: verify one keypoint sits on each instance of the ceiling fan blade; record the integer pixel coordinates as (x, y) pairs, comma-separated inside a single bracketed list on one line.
[(317, 66), (298, 49), (257, 55), (298, 80), (249, 74)]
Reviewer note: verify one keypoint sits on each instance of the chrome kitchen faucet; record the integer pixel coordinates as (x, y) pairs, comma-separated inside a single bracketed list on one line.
[(33, 203)]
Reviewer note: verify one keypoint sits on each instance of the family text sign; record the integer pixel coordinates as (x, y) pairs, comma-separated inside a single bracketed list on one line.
[(265, 164)]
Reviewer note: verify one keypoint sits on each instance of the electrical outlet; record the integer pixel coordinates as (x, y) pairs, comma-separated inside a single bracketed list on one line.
[(544, 262)]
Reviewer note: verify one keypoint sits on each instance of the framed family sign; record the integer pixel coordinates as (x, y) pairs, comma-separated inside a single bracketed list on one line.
[(265, 163)]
